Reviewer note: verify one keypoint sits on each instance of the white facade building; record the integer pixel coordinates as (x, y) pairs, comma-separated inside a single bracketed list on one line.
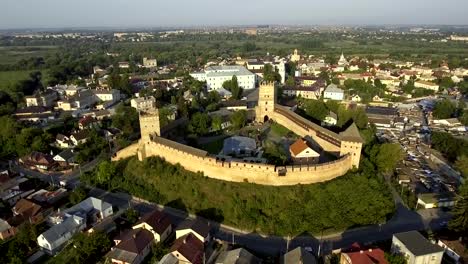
[(416, 248), (143, 103), (333, 92), (215, 76)]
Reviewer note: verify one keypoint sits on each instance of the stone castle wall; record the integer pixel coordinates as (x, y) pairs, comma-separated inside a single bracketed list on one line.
[(239, 171)]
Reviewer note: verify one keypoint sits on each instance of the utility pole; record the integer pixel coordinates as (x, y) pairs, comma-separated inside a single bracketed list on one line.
[(287, 244), (232, 238)]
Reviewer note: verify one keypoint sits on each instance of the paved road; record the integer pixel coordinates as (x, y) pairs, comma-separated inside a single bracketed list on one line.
[(403, 220)]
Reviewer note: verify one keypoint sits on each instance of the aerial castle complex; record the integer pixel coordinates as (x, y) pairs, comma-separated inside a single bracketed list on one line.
[(346, 146)]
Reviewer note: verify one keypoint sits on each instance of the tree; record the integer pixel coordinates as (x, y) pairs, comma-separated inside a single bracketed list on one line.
[(78, 195), (216, 123), (315, 109), (239, 119), (105, 172), (199, 123), (270, 75), (459, 222), (233, 86), (395, 258), (462, 165), (386, 156), (132, 215), (444, 109)]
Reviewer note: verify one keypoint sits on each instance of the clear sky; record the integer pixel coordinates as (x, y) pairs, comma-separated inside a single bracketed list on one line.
[(154, 13)]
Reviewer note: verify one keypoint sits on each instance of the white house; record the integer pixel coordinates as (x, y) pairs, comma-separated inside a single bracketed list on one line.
[(356, 98), (333, 92), (215, 76), (198, 228), (416, 248), (426, 85), (158, 223), (302, 153), (143, 103), (52, 240)]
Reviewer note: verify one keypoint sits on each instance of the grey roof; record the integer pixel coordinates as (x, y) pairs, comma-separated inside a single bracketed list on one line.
[(169, 259), (332, 88), (4, 225), (352, 134), (417, 244), (237, 143), (216, 71), (199, 226), (237, 256), (66, 154), (69, 225), (298, 255), (89, 204), (122, 255)]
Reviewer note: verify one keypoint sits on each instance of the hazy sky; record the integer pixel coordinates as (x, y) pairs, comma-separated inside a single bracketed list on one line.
[(135, 13)]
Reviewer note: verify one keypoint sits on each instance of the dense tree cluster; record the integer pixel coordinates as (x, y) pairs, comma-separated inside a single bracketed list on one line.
[(451, 147), (84, 248), (444, 109)]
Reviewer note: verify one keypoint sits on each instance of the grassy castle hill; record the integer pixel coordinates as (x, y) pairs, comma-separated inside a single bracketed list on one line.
[(356, 199)]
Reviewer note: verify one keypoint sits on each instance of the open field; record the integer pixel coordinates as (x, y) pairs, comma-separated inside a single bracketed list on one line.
[(10, 77), (13, 54)]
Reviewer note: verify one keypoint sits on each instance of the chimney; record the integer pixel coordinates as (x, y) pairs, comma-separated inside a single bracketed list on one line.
[(361, 251), (185, 240), (370, 249)]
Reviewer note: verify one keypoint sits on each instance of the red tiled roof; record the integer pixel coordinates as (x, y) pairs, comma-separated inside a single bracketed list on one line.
[(26, 208), (190, 247), (159, 221), (371, 256), (135, 240), (298, 146)]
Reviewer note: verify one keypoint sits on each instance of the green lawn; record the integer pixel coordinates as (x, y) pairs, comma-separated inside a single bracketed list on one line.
[(10, 55), (10, 77)]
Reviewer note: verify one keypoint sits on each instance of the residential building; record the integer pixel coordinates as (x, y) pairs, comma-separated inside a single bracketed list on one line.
[(107, 95), (63, 141), (87, 122), (132, 247), (6, 230), (298, 255), (150, 63), (356, 98), (143, 103), (333, 92), (330, 120), (215, 76), (302, 153), (188, 249), (313, 93), (158, 223), (29, 211), (52, 240), (45, 99), (359, 255), (426, 85), (450, 122), (38, 160), (416, 248), (435, 200), (72, 221), (65, 158), (237, 256), (198, 228), (79, 137), (454, 249), (45, 197)]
